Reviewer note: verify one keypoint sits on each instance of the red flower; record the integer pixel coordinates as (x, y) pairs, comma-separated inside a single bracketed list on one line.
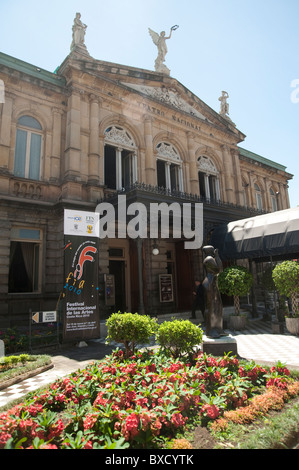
[(4, 437), (211, 410), (177, 420)]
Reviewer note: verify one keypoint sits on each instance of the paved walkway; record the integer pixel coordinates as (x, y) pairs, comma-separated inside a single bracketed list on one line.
[(256, 343)]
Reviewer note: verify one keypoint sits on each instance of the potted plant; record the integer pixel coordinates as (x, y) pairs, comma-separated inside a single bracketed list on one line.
[(286, 279), (235, 281)]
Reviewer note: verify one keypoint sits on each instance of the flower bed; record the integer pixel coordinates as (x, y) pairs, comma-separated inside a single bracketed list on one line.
[(141, 401)]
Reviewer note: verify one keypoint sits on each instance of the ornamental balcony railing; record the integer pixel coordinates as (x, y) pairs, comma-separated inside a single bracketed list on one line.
[(160, 193)]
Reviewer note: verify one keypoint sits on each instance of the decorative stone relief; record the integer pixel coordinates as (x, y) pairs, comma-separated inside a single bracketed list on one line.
[(167, 151), (166, 96), (119, 136), (206, 165)]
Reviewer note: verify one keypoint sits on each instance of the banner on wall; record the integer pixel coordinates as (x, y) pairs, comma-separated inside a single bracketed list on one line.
[(81, 319)]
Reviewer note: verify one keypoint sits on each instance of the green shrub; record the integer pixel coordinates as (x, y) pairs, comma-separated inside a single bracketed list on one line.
[(24, 358), (130, 329), (179, 337)]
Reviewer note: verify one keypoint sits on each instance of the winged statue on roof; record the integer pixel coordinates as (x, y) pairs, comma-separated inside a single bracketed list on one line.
[(160, 41)]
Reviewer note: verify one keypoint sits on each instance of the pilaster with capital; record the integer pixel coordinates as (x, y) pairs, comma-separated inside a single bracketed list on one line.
[(56, 145), (73, 137), (228, 175), (94, 141), (193, 170), (150, 167), (5, 131)]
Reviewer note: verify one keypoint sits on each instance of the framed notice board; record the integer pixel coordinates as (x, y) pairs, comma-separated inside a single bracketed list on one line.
[(166, 287)]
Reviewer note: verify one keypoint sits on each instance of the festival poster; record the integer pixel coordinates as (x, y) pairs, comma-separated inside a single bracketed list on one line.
[(80, 291)]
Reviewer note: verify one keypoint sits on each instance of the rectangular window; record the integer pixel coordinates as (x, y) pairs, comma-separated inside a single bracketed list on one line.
[(161, 174), (202, 184), (174, 177), (24, 261), (110, 167), (259, 201)]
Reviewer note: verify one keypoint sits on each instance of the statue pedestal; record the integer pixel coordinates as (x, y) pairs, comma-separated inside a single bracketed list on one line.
[(220, 346)]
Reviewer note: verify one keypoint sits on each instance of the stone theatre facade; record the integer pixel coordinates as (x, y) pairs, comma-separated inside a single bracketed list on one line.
[(91, 131)]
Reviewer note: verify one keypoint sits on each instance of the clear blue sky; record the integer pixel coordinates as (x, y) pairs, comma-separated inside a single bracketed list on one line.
[(250, 48)]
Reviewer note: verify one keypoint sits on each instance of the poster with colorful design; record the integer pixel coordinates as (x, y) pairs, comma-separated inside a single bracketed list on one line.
[(81, 319)]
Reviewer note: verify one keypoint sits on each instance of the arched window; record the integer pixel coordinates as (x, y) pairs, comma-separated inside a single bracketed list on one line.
[(273, 200), (208, 178), (258, 197), (169, 167), (120, 158), (27, 162)]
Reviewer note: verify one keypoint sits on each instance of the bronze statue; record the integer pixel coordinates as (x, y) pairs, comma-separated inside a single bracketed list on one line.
[(214, 318)]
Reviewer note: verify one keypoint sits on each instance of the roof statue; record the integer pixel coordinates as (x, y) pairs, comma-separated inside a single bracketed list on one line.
[(160, 41), (79, 30), (224, 106)]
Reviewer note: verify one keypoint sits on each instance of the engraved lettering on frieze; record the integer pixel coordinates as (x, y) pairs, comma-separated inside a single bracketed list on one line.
[(167, 96)]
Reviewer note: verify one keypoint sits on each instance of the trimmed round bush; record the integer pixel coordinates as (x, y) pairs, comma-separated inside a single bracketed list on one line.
[(179, 337), (130, 329)]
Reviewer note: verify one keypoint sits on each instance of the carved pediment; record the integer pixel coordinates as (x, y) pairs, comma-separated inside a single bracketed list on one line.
[(167, 96)]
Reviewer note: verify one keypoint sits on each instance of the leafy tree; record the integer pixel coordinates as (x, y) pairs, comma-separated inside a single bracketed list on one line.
[(286, 279), (235, 281)]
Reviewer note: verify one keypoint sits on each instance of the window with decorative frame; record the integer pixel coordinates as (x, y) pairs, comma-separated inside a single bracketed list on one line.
[(208, 178), (273, 198), (169, 168), (28, 148), (120, 159), (258, 197)]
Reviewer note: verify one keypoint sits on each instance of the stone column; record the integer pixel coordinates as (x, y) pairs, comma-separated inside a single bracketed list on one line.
[(94, 141), (207, 186), (251, 202), (73, 138), (194, 183), (5, 131), (56, 145), (228, 173), (217, 188), (238, 177), (167, 175), (181, 183), (150, 164), (118, 169), (134, 168), (268, 205)]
